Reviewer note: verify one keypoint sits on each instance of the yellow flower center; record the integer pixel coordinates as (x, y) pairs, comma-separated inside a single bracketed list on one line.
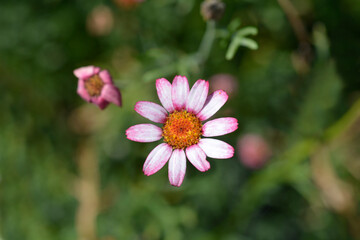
[(94, 85), (182, 129)]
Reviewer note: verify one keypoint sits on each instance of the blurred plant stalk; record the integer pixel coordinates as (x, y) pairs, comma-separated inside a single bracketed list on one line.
[(87, 190), (85, 121), (212, 11)]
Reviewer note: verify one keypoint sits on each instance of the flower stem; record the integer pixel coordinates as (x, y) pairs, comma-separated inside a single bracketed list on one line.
[(206, 43)]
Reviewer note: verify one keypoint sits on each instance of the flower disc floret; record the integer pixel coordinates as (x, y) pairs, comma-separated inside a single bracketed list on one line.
[(182, 129), (94, 85)]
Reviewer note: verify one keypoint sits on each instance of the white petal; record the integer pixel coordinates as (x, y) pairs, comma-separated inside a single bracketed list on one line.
[(163, 88), (157, 158), (213, 103), (197, 157), (144, 133), (180, 92), (177, 167), (220, 126), (215, 148), (151, 111), (197, 96)]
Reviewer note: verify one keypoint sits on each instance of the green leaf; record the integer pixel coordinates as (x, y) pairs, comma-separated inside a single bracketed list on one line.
[(240, 39), (249, 43)]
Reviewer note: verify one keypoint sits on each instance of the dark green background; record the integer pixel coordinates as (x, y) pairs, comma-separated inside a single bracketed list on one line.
[(307, 113)]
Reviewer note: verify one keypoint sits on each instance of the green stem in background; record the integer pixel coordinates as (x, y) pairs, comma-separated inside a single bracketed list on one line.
[(206, 43)]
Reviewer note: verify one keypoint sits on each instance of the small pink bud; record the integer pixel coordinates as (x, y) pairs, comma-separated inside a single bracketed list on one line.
[(223, 81), (100, 21), (96, 86), (128, 3), (253, 151)]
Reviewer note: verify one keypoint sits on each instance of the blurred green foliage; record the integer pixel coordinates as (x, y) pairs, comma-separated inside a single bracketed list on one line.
[(300, 92)]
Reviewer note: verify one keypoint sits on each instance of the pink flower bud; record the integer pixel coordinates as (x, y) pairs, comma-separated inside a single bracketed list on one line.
[(253, 151), (223, 81), (100, 21), (128, 3), (96, 86)]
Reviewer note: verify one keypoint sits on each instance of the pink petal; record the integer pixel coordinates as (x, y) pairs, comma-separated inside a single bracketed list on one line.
[(157, 159), (163, 88), (111, 94), (197, 157), (197, 96), (144, 133), (100, 101), (106, 77), (180, 92), (151, 111), (177, 167), (81, 90), (86, 72), (213, 103), (216, 149), (220, 126)]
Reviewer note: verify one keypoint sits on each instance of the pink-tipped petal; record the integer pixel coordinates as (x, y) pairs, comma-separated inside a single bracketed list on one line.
[(106, 77), (111, 94), (220, 126), (177, 167), (197, 157), (197, 96), (81, 90), (151, 111), (163, 88), (86, 72), (157, 159), (215, 148), (144, 133), (180, 92), (212, 104)]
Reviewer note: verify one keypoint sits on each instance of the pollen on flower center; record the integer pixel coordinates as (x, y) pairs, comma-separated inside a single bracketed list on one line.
[(182, 129), (94, 85)]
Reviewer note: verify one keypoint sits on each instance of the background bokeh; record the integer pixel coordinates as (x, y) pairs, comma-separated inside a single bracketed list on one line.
[(67, 170)]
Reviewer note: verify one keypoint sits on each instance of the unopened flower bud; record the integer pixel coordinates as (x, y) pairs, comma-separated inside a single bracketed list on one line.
[(253, 151), (212, 9)]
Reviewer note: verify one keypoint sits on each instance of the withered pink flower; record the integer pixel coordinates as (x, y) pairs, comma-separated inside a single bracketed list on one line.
[(96, 86), (182, 116), (253, 150)]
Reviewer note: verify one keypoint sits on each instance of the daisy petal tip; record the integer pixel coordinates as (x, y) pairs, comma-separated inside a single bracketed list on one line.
[(144, 133), (215, 148), (180, 92), (213, 103), (152, 111), (219, 127), (174, 184)]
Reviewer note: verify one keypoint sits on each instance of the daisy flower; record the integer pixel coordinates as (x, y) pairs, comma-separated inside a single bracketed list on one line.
[(96, 86), (182, 116)]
